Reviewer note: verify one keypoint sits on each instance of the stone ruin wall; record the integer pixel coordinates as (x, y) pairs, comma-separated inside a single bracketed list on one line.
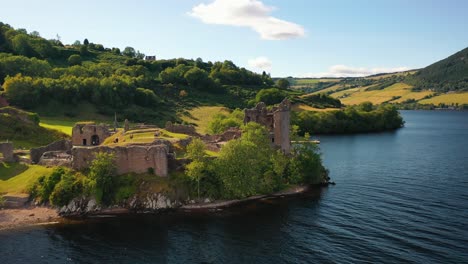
[(282, 129), (6, 149), (60, 145), (86, 132), (133, 158), (181, 129), (276, 120)]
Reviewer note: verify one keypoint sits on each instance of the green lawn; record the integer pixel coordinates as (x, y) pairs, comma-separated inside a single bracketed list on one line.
[(202, 116), (16, 177), (450, 98), (64, 126)]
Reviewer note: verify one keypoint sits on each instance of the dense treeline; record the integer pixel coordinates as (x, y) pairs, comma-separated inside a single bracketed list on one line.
[(34, 71), (320, 101), (362, 118), (250, 166)]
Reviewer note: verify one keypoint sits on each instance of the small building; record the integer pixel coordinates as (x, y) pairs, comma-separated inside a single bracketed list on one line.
[(150, 58), (89, 134)]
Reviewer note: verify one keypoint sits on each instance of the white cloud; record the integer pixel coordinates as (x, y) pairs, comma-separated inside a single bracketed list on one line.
[(247, 13), (260, 63), (347, 71)]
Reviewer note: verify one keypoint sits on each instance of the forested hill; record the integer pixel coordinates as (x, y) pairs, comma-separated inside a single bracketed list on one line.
[(36, 73), (450, 74)]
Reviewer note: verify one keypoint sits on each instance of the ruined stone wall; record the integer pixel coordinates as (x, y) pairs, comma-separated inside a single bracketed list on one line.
[(6, 149), (182, 129), (276, 120), (281, 130), (60, 145), (128, 158), (282, 119), (89, 134), (259, 114)]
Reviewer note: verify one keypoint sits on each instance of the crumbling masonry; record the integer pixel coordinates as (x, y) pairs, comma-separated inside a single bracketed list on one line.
[(277, 120)]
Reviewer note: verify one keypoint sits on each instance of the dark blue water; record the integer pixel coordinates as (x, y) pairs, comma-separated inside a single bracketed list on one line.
[(400, 197)]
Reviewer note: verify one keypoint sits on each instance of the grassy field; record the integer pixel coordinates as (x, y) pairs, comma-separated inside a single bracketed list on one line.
[(400, 91), (391, 74), (451, 98), (201, 116), (308, 81), (16, 177), (64, 126), (303, 107), (141, 136)]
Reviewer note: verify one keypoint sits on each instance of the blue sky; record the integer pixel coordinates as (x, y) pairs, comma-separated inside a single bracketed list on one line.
[(287, 38)]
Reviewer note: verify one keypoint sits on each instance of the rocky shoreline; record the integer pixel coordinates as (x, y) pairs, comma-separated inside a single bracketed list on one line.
[(83, 208)]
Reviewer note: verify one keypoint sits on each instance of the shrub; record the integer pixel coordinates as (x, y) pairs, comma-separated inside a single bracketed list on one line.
[(103, 171)]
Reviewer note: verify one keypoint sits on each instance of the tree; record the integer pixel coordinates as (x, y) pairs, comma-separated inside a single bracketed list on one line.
[(245, 165), (74, 59), (84, 50), (196, 151), (197, 78), (139, 55), (86, 42), (282, 83), (129, 52), (103, 171), (270, 96), (35, 34), (21, 91)]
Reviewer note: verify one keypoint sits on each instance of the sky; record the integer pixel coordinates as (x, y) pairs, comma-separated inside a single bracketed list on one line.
[(300, 38)]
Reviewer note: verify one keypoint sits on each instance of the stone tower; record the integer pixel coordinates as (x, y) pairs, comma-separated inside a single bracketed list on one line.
[(276, 120), (281, 127)]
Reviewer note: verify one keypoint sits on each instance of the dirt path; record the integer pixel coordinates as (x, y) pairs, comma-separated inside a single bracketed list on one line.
[(12, 218)]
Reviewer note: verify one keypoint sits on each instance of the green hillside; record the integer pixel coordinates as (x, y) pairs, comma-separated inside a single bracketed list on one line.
[(57, 80), (450, 74), (442, 84), (23, 129)]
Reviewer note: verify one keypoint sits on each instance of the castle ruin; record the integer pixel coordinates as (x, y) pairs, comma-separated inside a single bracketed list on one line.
[(277, 120), (132, 158), (89, 134)]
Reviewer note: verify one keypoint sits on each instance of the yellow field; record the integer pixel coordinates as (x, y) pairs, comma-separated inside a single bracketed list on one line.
[(391, 74), (15, 178), (359, 95), (141, 136), (303, 107), (58, 124), (451, 98), (202, 116), (313, 81)]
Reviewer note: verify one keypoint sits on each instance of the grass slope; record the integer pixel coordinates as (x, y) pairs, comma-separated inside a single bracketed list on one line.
[(449, 98), (202, 116), (16, 177), (23, 132), (395, 93)]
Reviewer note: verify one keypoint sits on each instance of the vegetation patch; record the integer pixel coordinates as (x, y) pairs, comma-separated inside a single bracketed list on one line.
[(15, 178), (447, 99), (362, 118), (22, 128), (202, 116)]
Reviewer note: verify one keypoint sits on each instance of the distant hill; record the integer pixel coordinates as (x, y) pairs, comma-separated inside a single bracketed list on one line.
[(442, 84), (450, 74)]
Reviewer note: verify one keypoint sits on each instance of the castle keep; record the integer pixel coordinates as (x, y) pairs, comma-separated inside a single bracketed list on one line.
[(89, 134), (138, 158), (277, 120)]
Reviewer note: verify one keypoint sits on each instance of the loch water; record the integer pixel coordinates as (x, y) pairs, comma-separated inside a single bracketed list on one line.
[(400, 197)]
